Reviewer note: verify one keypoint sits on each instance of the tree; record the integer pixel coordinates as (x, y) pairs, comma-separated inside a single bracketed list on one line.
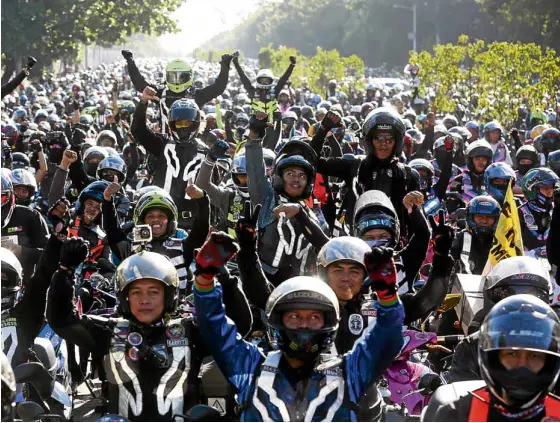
[(53, 29), (499, 75)]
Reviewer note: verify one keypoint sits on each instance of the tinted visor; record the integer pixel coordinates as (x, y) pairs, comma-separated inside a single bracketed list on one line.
[(183, 123), (183, 114), (265, 80), (178, 77), (500, 292)]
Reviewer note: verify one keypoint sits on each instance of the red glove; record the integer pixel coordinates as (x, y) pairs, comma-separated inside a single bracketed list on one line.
[(449, 143), (214, 254), (382, 274)]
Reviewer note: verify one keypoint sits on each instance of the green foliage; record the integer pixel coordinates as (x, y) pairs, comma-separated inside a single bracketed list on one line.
[(52, 30), (499, 74), (314, 71)]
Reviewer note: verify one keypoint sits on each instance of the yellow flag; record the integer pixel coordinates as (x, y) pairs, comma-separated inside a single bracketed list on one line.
[(507, 238)]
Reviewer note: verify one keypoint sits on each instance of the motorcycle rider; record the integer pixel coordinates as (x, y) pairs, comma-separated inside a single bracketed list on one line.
[(23, 306), (157, 209), (264, 93), (470, 182), (527, 158), (472, 245), (25, 186), (497, 178), (302, 317), (179, 81), (24, 230), (535, 215), (493, 133), (511, 276), (177, 156), (150, 356), (286, 219), (520, 362), (383, 131)]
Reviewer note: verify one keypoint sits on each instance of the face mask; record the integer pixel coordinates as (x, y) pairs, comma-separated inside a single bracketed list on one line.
[(186, 134), (91, 168), (383, 242), (23, 201), (521, 393)]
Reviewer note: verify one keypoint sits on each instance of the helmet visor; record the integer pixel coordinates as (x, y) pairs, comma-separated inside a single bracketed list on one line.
[(500, 292), (264, 80), (531, 331), (178, 77), (183, 123)]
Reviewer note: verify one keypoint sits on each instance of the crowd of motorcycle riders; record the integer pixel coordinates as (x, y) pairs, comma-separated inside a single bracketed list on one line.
[(212, 242)]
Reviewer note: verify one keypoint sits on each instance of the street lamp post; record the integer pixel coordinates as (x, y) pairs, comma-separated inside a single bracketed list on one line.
[(413, 9)]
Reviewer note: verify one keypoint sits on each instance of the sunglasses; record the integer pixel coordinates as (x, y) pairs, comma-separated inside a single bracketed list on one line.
[(383, 138)]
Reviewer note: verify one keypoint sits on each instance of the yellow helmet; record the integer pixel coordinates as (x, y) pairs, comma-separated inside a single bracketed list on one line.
[(178, 75), (537, 130)]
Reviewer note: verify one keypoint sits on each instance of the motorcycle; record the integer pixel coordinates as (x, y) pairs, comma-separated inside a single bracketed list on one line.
[(41, 395)]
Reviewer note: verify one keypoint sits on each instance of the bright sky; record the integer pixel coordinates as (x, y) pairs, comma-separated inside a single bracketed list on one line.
[(202, 19)]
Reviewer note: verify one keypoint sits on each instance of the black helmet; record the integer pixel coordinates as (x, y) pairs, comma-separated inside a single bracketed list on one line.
[(341, 249), (11, 279), (285, 161), (526, 323), (383, 118), (20, 161), (478, 148), (516, 275), (302, 292), (184, 119), (527, 152), (146, 265), (553, 162), (8, 200), (374, 210)]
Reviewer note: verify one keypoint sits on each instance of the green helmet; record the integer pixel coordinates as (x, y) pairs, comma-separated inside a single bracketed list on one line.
[(178, 75), (146, 265), (157, 200)]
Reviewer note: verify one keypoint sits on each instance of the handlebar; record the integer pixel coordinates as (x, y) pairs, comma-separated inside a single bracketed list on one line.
[(450, 339)]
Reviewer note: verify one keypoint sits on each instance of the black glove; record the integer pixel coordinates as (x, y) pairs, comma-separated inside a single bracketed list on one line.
[(127, 54), (75, 105), (293, 60), (246, 227), (218, 150), (228, 114), (235, 56), (35, 145), (442, 235), (78, 137), (258, 124), (59, 216), (331, 120), (73, 253), (226, 59), (30, 62)]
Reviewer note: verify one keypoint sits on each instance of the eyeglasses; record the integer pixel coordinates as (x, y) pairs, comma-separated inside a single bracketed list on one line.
[(383, 139)]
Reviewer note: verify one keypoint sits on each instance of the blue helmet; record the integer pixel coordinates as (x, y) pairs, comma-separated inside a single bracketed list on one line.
[(495, 171), (239, 167), (111, 166), (93, 191), (22, 99), (486, 205), (19, 113), (553, 161), (184, 119)]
